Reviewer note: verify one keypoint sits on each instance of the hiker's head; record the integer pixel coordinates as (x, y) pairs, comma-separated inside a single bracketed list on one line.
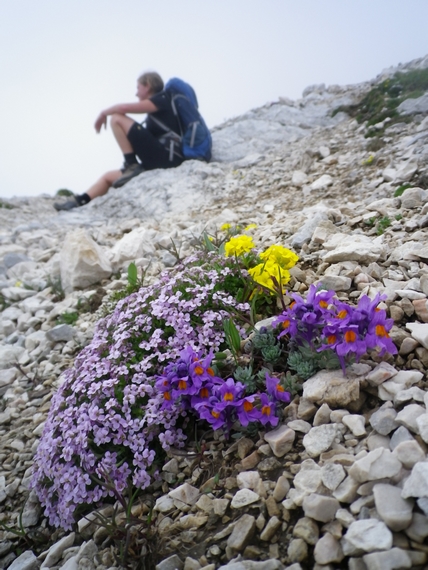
[(152, 81)]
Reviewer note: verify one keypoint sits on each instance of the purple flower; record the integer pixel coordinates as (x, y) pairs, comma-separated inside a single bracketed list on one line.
[(229, 393), (350, 343), (304, 317), (267, 411), (201, 397), (226, 405), (275, 390), (331, 336), (213, 414), (377, 336), (287, 323), (247, 412)]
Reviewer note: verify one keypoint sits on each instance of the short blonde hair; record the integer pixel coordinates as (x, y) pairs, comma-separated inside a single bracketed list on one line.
[(153, 80)]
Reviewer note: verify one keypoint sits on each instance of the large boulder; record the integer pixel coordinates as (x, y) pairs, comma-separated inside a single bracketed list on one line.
[(83, 262)]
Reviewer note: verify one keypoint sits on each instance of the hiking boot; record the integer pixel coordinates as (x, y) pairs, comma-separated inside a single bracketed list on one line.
[(128, 173), (68, 205)]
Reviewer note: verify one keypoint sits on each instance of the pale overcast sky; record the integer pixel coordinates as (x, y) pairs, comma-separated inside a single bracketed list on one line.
[(63, 61)]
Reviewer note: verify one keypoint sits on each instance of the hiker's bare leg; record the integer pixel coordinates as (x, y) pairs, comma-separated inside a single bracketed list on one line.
[(120, 125), (102, 185)]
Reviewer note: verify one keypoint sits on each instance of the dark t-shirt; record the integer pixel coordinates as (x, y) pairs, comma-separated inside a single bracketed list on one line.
[(164, 113)]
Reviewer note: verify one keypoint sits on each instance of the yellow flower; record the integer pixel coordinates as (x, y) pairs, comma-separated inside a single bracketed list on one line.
[(225, 227), (280, 255), (238, 245), (368, 161), (250, 227), (263, 273)]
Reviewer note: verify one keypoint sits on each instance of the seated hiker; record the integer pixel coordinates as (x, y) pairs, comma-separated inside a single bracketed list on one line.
[(151, 144)]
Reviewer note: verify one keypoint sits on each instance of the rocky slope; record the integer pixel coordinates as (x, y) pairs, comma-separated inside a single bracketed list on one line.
[(344, 482)]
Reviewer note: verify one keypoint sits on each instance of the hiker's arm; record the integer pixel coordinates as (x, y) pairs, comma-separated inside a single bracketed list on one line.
[(145, 106)]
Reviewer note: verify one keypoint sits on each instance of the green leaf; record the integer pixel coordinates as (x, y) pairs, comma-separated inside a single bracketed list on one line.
[(220, 356), (232, 335), (132, 274), (253, 309), (209, 246)]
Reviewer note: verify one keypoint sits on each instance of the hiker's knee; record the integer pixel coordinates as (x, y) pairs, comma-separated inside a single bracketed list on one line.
[(120, 123), (116, 119)]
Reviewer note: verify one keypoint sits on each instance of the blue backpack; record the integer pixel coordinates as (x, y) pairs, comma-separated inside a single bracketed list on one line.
[(196, 139)]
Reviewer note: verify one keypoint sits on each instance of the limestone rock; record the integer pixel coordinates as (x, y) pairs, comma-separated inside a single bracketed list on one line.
[(304, 234), (272, 526), (347, 490), (248, 480), (328, 550), (412, 106), (381, 373), (56, 550), (281, 488), (395, 512), (400, 435), (320, 508), (60, 333), (242, 532), (408, 416), (384, 420), (185, 493), (409, 453), (419, 332), (171, 563), (7, 376), (322, 416), (354, 248), (280, 440), (319, 439), (309, 478), (323, 182), (394, 559), (413, 198), (355, 423), (418, 529), (297, 550), (417, 484), (26, 561), (83, 262), (422, 426), (9, 355), (377, 464), (402, 380), (332, 475), (367, 535), (299, 178), (243, 498), (136, 244), (307, 529), (330, 387)]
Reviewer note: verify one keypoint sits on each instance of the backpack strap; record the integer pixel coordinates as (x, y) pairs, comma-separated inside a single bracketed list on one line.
[(174, 109), (171, 139), (194, 125), (192, 138)]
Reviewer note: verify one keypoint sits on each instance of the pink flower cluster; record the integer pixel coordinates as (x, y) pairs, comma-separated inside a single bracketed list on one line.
[(108, 417)]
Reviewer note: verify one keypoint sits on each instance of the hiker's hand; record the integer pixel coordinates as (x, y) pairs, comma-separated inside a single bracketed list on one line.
[(101, 120)]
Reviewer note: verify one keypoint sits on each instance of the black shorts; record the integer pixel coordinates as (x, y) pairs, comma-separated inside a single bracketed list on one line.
[(151, 152)]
